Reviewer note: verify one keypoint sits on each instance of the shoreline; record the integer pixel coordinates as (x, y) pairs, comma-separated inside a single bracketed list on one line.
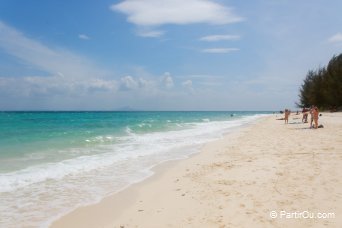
[(156, 171), (180, 189)]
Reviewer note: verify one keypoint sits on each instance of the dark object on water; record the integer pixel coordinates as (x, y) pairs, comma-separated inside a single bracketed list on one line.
[(320, 114), (320, 126)]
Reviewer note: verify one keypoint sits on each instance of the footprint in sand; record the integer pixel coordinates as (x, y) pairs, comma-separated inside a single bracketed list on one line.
[(279, 174)]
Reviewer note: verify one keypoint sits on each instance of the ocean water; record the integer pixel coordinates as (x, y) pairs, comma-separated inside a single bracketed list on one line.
[(53, 162)]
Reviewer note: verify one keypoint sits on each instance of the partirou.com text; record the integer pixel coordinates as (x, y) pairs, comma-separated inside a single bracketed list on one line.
[(306, 214)]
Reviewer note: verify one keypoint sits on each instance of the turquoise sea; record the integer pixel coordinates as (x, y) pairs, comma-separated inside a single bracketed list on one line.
[(53, 162)]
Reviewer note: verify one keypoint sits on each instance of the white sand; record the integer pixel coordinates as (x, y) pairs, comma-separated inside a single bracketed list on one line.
[(237, 182)]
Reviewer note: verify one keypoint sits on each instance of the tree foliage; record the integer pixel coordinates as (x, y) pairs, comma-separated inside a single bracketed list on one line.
[(323, 87)]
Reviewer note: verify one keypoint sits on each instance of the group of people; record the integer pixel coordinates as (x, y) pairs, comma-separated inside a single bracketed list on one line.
[(313, 111)]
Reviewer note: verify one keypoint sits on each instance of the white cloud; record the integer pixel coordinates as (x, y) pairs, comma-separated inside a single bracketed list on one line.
[(187, 83), (54, 85), (83, 37), (188, 86), (143, 83), (42, 57), (150, 33), (167, 80), (204, 76), (180, 12), (101, 85), (214, 38), (128, 83), (336, 38), (68, 73), (219, 50)]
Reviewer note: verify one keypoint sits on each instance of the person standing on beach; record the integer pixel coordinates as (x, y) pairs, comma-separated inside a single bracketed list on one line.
[(311, 115), (315, 116), (287, 113), (305, 115)]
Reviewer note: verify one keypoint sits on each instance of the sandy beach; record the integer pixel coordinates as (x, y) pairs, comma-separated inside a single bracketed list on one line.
[(267, 169)]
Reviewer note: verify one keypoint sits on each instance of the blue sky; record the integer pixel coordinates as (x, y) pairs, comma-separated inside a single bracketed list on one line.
[(162, 54)]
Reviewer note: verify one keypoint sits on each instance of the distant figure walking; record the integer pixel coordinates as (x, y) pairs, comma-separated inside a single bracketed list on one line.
[(287, 113)]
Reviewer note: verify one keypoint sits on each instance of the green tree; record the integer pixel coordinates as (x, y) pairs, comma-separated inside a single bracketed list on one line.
[(334, 81), (323, 87)]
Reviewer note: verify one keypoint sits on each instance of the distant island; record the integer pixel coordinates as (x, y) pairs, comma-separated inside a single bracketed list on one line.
[(127, 109)]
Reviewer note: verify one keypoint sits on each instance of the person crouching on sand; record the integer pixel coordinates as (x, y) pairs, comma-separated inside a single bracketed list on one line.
[(315, 114)]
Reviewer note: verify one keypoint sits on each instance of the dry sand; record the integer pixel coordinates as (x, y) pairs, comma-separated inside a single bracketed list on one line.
[(237, 182)]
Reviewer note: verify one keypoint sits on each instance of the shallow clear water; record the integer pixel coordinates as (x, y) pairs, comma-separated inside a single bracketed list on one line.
[(52, 162)]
